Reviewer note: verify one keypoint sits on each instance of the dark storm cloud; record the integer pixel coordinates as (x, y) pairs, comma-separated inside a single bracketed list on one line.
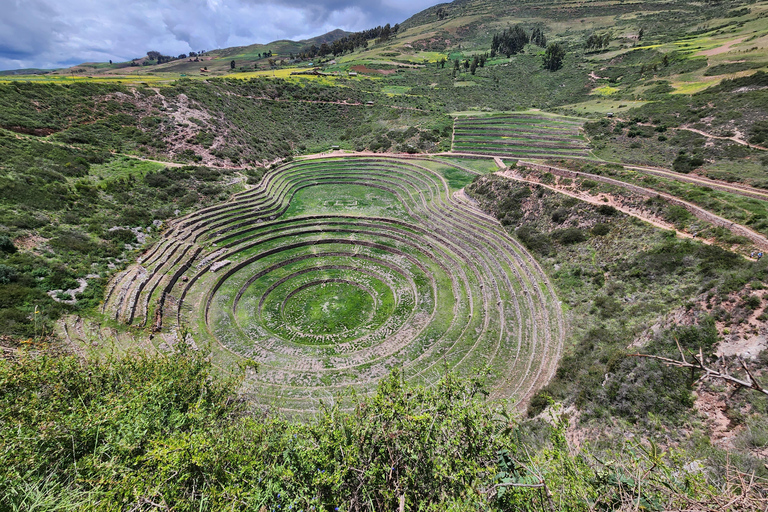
[(52, 33)]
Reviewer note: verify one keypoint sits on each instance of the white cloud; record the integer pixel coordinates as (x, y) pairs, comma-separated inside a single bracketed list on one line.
[(54, 33)]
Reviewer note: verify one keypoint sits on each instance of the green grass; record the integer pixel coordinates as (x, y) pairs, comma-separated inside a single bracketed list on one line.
[(524, 134), (123, 167)]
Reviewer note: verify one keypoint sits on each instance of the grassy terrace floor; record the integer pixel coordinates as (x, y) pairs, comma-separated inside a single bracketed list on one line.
[(333, 272), (520, 135)]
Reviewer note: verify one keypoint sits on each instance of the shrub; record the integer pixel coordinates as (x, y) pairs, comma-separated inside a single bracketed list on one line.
[(759, 133), (601, 229), (7, 274), (125, 236), (569, 236), (559, 215), (607, 210), (534, 240), (752, 302), (685, 164), (6, 244)]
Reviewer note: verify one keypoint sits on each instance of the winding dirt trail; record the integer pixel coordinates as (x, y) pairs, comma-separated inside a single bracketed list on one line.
[(600, 201), (734, 138), (759, 240), (596, 200)]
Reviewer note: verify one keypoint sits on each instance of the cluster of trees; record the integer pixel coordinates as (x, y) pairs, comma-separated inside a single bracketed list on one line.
[(598, 42), (553, 57), (509, 42), (514, 39), (159, 58), (478, 61), (538, 38), (351, 42)]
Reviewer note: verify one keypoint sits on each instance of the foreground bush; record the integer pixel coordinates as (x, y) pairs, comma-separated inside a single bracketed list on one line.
[(149, 433)]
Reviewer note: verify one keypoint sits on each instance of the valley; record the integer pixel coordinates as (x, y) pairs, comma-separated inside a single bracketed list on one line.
[(417, 270)]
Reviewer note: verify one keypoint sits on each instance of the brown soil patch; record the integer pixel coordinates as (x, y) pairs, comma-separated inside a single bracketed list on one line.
[(29, 242), (713, 407), (722, 49), (362, 68)]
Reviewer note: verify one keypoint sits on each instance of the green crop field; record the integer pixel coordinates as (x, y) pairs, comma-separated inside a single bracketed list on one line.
[(519, 135)]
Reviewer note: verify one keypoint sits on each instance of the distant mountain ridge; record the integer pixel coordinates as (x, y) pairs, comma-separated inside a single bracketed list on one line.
[(248, 54)]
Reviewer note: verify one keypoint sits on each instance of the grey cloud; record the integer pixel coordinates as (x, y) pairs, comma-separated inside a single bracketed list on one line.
[(52, 33)]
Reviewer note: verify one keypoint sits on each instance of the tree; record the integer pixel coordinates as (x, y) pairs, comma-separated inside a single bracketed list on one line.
[(473, 66), (553, 57), (153, 55), (538, 38), (598, 42), (232, 65), (510, 42)]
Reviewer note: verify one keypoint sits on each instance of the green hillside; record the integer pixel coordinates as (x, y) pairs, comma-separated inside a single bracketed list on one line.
[(418, 267)]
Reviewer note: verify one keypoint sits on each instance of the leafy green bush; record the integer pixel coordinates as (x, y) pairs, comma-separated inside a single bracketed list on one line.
[(684, 163), (759, 132), (7, 274), (534, 240), (6, 244), (601, 229), (569, 236), (559, 215)]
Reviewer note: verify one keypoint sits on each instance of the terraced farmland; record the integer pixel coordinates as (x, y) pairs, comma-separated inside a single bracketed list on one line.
[(334, 272), (520, 136)]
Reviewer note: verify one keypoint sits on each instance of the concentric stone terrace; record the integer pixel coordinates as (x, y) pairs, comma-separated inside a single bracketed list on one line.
[(334, 272)]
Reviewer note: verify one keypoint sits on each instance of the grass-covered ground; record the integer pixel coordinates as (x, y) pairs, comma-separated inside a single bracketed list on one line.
[(519, 135)]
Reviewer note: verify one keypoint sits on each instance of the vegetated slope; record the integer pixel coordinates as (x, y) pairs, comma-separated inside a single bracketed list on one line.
[(630, 287), (69, 216), (221, 123), (139, 431), (334, 272), (217, 61)]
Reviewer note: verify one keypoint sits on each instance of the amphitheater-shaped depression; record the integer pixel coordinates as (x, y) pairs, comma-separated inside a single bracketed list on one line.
[(333, 272)]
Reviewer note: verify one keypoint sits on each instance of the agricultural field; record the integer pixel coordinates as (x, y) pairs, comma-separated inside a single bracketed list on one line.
[(333, 272), (519, 135)]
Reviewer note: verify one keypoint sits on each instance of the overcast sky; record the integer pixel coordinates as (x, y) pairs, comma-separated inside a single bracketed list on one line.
[(58, 33)]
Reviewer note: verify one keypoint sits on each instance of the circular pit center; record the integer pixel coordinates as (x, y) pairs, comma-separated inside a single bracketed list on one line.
[(328, 307)]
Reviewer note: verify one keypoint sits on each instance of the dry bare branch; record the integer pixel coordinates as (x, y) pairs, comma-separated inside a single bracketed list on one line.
[(752, 383)]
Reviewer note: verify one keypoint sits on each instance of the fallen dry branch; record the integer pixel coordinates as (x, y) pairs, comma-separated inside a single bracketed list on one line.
[(698, 364)]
